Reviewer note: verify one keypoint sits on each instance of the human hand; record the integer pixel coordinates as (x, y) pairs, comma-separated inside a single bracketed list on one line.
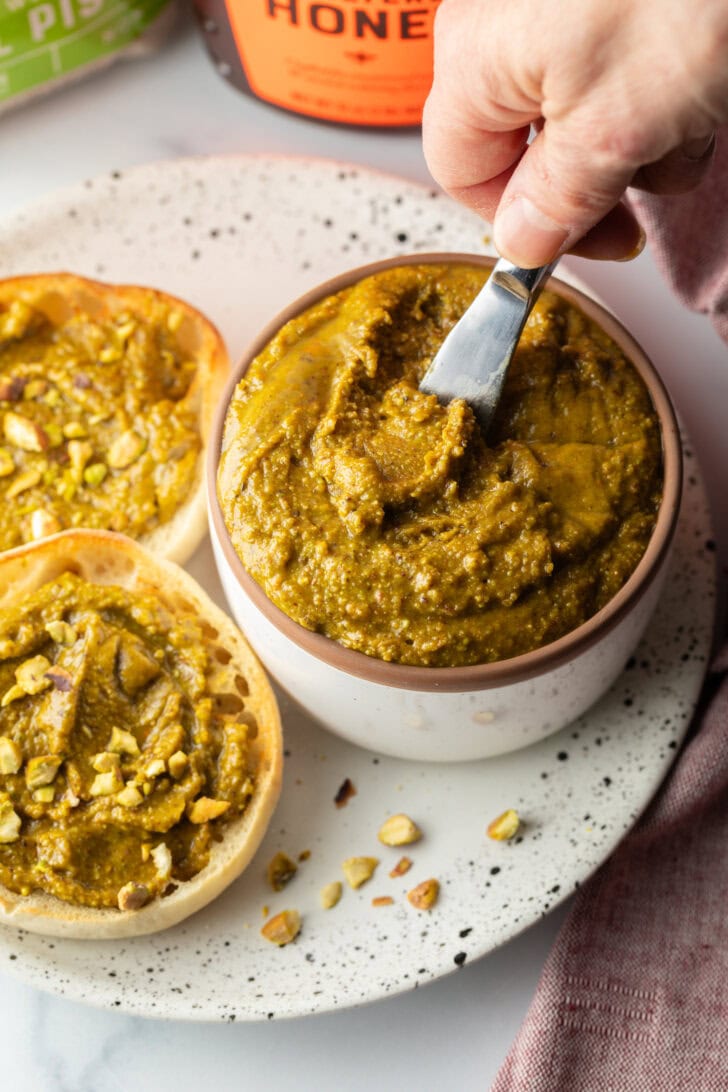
[(622, 93)]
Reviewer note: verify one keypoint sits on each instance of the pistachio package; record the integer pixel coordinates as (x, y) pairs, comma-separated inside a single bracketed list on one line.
[(44, 45)]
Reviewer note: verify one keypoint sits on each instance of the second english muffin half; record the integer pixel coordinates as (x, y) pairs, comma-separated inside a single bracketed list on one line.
[(106, 397)]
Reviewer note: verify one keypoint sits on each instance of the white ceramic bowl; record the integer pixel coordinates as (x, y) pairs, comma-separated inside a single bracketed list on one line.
[(455, 713)]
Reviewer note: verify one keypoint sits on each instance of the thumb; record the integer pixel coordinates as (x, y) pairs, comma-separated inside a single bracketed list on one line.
[(556, 194)]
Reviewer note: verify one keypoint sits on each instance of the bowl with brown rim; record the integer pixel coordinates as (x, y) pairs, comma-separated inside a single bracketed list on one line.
[(473, 710)]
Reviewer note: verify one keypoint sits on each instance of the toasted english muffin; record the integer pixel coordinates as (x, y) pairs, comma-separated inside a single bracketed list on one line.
[(140, 741), (106, 396)]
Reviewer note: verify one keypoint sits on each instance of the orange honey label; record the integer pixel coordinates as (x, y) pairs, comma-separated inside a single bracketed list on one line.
[(362, 62)]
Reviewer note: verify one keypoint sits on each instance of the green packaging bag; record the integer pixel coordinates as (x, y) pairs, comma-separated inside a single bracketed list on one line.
[(44, 43)]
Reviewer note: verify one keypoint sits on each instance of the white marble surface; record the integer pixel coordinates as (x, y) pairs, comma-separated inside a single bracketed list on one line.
[(457, 1031)]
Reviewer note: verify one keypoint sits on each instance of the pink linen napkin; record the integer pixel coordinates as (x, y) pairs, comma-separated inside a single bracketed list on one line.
[(634, 995), (689, 238)]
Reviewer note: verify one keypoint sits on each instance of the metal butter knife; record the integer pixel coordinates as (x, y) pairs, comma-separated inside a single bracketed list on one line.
[(473, 359)]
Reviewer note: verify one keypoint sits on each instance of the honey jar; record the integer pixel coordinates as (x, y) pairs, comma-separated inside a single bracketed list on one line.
[(355, 62)]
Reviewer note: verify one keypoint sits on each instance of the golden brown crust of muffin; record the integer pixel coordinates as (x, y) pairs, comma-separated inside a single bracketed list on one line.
[(104, 557), (59, 295)]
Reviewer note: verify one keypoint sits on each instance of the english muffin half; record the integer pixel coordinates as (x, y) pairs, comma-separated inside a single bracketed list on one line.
[(106, 396), (140, 741)]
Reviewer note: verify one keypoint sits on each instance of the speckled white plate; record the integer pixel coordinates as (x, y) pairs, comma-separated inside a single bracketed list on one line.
[(239, 237)]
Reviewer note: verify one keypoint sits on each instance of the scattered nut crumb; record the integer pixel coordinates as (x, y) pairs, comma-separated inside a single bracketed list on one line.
[(79, 453), (281, 869), (43, 523), (383, 900), (105, 762), (344, 793), (283, 928), (61, 632), (130, 796), (10, 822), (94, 474), (177, 764), (304, 854), (359, 869), (31, 675), (107, 783), (21, 432), (205, 808), (122, 742), (125, 450), (162, 860), (28, 479), (132, 896), (11, 757), (155, 768), (424, 896), (404, 864), (41, 770), (330, 894), (399, 830), (44, 795), (505, 827)]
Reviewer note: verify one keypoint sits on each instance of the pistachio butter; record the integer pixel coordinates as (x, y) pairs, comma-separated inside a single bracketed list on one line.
[(118, 767), (372, 514), (98, 422)]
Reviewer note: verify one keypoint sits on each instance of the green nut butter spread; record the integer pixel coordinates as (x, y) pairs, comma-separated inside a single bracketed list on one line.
[(371, 514)]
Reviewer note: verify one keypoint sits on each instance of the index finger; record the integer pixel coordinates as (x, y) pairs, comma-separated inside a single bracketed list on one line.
[(471, 161)]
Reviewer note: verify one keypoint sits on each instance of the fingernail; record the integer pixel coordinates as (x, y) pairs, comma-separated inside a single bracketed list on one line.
[(636, 249), (527, 236)]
